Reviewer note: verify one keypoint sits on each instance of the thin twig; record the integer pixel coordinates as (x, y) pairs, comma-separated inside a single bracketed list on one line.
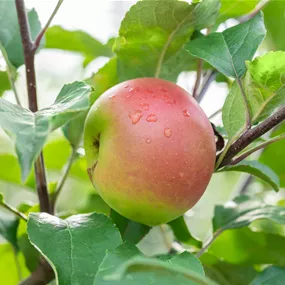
[(198, 78), (215, 114), (41, 276), (253, 13), (10, 72), (206, 84), (245, 184), (63, 177), (42, 32), (250, 135), (256, 148), (206, 246), (13, 210)]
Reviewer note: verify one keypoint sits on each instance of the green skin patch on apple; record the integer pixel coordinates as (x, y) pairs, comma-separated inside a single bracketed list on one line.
[(150, 150)]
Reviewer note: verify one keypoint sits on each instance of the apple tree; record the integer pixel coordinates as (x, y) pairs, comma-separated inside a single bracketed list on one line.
[(123, 179)]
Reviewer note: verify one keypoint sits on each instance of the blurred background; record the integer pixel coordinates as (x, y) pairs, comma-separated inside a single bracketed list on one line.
[(54, 68)]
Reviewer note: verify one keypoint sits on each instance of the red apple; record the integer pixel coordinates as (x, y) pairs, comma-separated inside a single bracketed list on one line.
[(150, 150)]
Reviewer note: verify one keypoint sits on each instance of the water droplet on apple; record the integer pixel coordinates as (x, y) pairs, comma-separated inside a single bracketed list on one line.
[(135, 89), (135, 116), (148, 140), (112, 96), (151, 118), (186, 113), (168, 133), (169, 100), (181, 174), (126, 86), (145, 106)]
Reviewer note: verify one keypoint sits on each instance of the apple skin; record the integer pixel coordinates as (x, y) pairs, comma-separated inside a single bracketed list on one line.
[(150, 150)]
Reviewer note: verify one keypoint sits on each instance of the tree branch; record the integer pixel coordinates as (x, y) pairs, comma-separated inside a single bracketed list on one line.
[(252, 134), (198, 78), (63, 178), (29, 55), (252, 14), (206, 84), (256, 148), (207, 244), (41, 276), (42, 32), (44, 273)]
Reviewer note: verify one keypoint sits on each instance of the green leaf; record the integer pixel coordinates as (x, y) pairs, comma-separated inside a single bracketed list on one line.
[(8, 226), (73, 130), (264, 89), (274, 19), (117, 258), (1, 198), (4, 82), (77, 41), (10, 37), (179, 62), (234, 112), (31, 129), (243, 210), (271, 275), (75, 247), (258, 170), (182, 232), (131, 231), (268, 71), (8, 267), (153, 31), (245, 247), (230, 274), (31, 254), (114, 259), (168, 272), (274, 156), (104, 79), (96, 204), (235, 8), (266, 86), (228, 51)]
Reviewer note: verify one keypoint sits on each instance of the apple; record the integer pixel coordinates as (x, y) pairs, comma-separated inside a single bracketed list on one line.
[(150, 150)]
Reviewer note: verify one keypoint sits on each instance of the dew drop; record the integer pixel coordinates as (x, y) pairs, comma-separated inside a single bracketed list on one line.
[(168, 133), (151, 118), (145, 106), (148, 140), (135, 116), (126, 86), (186, 113), (135, 89), (149, 91), (181, 174), (169, 100), (112, 96)]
